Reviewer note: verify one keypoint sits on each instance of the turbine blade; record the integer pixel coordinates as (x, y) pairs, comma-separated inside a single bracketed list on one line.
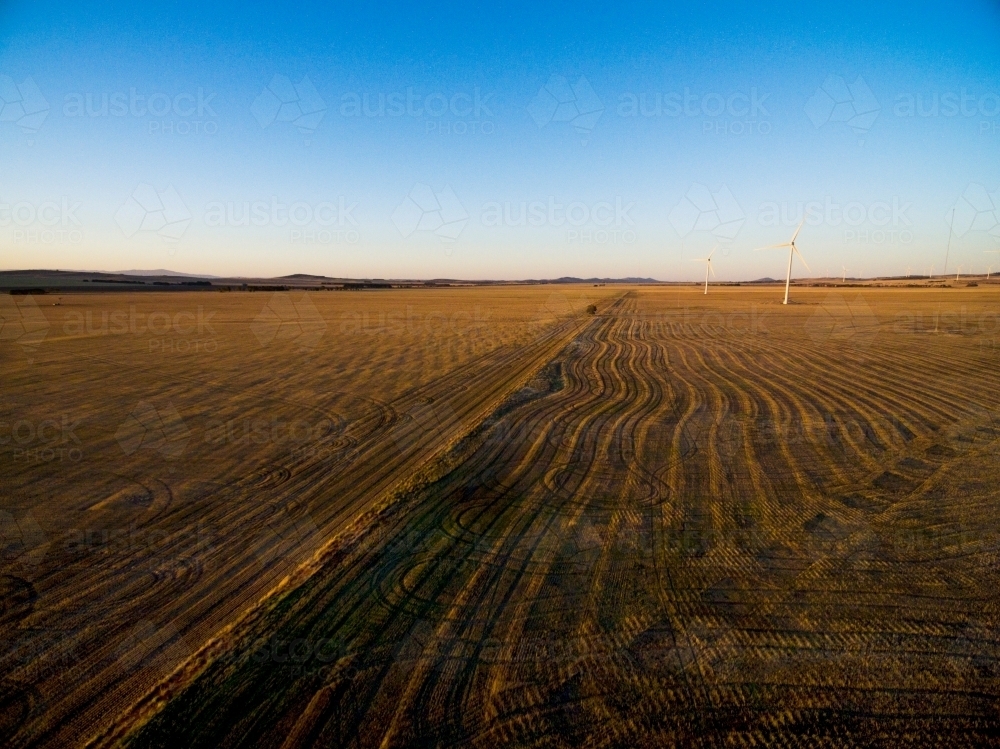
[(802, 258), (711, 269), (799, 229), (773, 247)]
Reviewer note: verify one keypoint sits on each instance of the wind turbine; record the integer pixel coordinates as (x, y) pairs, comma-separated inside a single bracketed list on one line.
[(930, 272), (792, 250), (708, 265), (844, 269), (990, 252), (948, 251), (907, 271), (958, 272)]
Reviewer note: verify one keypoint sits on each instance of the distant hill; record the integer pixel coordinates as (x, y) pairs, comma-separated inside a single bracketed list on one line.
[(157, 272), (573, 279), (53, 279)]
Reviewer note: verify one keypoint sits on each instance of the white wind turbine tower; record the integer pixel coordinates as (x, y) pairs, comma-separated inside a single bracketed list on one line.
[(930, 272), (951, 228), (792, 250), (990, 268), (844, 269), (908, 268), (958, 272), (708, 265)]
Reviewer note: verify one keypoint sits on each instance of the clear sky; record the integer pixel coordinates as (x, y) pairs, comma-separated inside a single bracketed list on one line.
[(540, 140)]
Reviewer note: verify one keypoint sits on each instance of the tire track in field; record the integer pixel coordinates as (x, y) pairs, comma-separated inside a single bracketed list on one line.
[(524, 585), (229, 572), (544, 588)]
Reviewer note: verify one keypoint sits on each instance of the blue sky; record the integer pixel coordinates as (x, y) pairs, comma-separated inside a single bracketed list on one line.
[(534, 141)]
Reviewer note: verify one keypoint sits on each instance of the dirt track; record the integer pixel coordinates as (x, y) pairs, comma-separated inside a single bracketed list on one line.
[(729, 523)]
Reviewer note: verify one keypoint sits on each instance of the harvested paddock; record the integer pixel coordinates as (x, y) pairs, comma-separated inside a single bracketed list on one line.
[(166, 459), (687, 519)]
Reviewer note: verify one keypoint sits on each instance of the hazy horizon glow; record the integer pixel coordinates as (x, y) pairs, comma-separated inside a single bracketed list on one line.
[(524, 143)]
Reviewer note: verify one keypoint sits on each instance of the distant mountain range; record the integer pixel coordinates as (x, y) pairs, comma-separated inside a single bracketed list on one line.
[(157, 272), (24, 278), (574, 279)]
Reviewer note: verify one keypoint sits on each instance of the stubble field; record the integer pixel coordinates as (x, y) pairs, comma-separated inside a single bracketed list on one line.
[(687, 519), (168, 458)]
